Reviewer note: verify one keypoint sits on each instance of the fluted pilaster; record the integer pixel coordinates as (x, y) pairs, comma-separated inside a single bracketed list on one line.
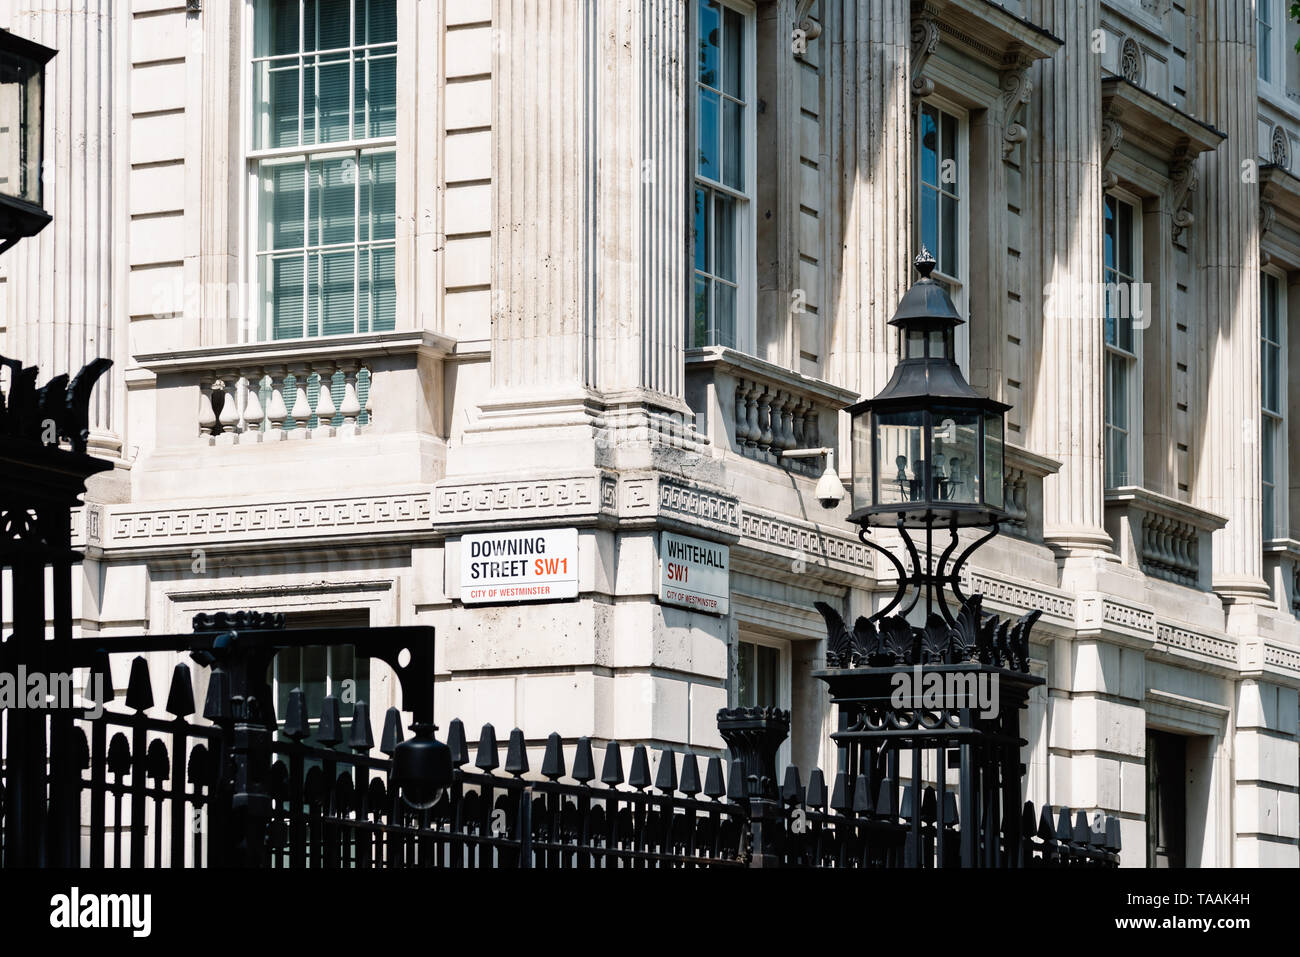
[(1066, 418), (60, 288), (1227, 249), (590, 256), (869, 127)]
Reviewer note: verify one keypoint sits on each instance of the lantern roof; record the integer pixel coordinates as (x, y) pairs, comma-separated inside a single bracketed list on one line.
[(929, 380)]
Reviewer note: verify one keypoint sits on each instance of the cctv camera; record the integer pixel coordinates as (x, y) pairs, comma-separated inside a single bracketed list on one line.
[(830, 490)]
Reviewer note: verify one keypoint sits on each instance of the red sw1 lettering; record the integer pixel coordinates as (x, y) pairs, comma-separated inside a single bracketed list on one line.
[(677, 573), (550, 566)]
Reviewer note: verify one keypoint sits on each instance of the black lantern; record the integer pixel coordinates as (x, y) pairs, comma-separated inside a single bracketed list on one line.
[(22, 122), (927, 450)]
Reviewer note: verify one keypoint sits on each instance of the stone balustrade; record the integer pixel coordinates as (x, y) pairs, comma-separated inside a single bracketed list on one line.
[(1164, 537), (266, 402), (759, 410), (1023, 492)]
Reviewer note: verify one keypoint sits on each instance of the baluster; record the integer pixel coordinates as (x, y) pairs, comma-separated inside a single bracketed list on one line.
[(788, 403), (741, 414), (765, 421), (276, 412), (811, 429), (797, 413), (751, 412), (228, 386), (370, 396), (253, 414), (325, 400), (301, 410), (207, 417), (350, 408)]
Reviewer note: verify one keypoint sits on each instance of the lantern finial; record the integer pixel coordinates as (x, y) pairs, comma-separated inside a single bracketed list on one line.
[(924, 262)]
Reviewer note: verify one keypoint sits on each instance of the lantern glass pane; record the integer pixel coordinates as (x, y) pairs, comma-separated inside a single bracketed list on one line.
[(862, 452), (955, 471), (901, 458), (993, 467), (20, 118)]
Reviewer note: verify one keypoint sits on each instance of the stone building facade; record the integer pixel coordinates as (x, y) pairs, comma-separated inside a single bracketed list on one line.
[(383, 277)]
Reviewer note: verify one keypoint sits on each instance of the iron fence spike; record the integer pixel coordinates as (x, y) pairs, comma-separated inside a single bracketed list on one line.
[(737, 789), (392, 734), (180, 696), (816, 788), (329, 731), (584, 764), (1112, 833), (216, 703), (862, 803), (457, 744), (950, 816), (713, 786), (1081, 828), (666, 774), (139, 691), (487, 759), (885, 797), (102, 675), (516, 754), (612, 771), (639, 776), (553, 759), (905, 810), (840, 792), (1063, 830), (791, 787), (930, 805), (361, 737), (690, 783), (296, 726)]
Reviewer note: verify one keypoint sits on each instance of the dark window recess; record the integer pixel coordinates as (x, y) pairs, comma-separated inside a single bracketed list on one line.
[(1166, 800), (321, 671)]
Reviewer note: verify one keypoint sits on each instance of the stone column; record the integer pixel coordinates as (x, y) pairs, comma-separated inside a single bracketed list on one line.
[(61, 300), (1066, 418), (870, 146), (1226, 236)]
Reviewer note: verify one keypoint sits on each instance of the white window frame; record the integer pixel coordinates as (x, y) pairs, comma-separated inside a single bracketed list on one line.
[(252, 327), (1278, 11), (746, 221), (1132, 359), (785, 677), (1278, 417), (958, 285)]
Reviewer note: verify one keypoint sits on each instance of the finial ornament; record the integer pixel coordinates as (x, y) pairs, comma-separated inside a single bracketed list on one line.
[(924, 262)]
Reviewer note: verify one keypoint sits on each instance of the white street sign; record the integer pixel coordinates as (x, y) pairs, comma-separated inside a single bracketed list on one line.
[(694, 573), (523, 565)]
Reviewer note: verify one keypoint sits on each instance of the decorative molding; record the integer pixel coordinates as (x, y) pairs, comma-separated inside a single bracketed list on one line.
[(1132, 63), (177, 526), (1027, 597), (1112, 133), (1185, 180), (805, 27), (1287, 659), (698, 505), (565, 496), (809, 543), (925, 40), (1280, 148), (1221, 649), (1017, 89)]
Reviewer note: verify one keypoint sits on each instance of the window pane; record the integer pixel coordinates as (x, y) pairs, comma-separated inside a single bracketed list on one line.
[(326, 23), (377, 195), (1126, 239), (701, 229), (383, 289), (948, 257), (929, 138), (724, 237), (380, 96), (954, 468), (277, 22), (333, 201), (902, 470), (1264, 42), (948, 169), (332, 288), (282, 296), (700, 333), (330, 87), (281, 206), (930, 219), (725, 316), (709, 163), (994, 482), (1108, 242), (732, 60), (733, 138), (766, 679), (376, 21), (710, 53)]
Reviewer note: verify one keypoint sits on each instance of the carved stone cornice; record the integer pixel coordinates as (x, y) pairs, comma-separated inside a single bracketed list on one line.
[(1017, 89)]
